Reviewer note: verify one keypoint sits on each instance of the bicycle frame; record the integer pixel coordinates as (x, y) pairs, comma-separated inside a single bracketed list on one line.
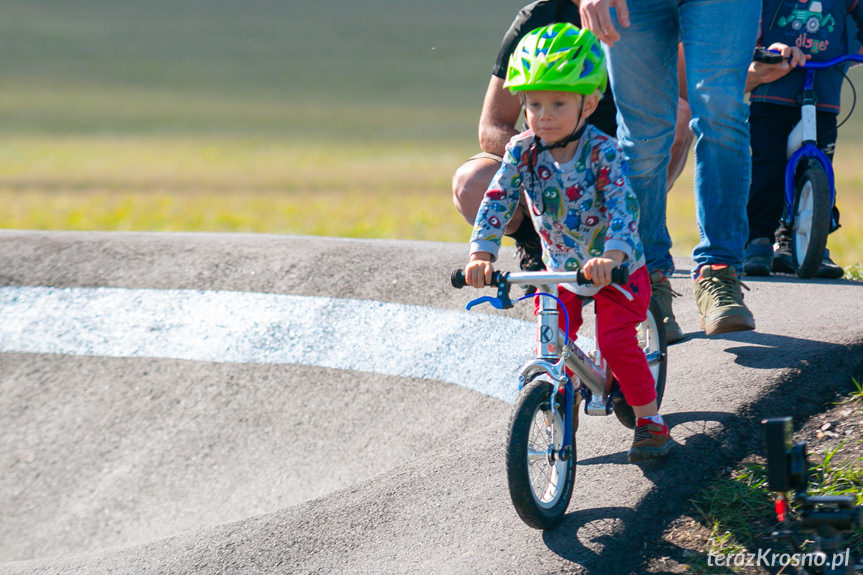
[(541, 450), (553, 355), (804, 147)]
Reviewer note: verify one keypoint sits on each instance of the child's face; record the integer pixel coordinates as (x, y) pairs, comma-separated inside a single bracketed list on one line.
[(554, 115)]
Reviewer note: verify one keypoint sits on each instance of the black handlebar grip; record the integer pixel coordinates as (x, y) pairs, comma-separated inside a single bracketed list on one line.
[(619, 275), (767, 56), (457, 279)]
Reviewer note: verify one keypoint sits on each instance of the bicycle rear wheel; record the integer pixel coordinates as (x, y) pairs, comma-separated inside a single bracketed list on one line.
[(812, 214), (540, 477), (652, 341)]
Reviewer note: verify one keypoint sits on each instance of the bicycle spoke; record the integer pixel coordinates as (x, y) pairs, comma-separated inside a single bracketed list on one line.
[(544, 477), (551, 486), (540, 479), (544, 480)]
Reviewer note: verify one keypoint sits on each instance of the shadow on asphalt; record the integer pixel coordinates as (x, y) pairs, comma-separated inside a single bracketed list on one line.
[(770, 351), (704, 457), (566, 539), (671, 419)]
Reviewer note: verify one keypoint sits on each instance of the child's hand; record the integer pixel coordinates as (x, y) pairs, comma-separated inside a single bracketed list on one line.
[(794, 55), (598, 270), (763, 73), (477, 273)]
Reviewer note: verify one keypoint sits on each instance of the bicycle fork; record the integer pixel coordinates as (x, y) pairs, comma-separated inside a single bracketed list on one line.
[(553, 356), (802, 146)]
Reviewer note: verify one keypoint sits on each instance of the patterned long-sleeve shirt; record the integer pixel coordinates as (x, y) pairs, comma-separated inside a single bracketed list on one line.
[(581, 209)]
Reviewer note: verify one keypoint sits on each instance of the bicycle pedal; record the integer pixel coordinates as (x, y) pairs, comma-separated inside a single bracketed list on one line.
[(597, 406)]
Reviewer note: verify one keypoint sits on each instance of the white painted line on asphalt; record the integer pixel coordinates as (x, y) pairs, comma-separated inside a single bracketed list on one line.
[(478, 351)]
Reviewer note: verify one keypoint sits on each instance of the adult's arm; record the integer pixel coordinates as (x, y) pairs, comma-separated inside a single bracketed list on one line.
[(500, 112)]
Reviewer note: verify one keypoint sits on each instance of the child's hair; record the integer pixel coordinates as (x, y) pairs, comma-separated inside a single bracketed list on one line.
[(557, 57)]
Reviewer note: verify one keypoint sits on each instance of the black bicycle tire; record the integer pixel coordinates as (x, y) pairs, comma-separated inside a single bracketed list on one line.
[(821, 215), (532, 396), (622, 410)]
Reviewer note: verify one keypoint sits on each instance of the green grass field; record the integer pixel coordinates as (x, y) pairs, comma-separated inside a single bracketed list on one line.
[(266, 116)]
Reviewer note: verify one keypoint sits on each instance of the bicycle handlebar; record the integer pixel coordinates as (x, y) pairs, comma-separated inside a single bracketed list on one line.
[(834, 62), (619, 275), (773, 57)]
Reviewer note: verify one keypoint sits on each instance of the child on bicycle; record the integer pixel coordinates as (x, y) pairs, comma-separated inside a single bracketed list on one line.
[(581, 204), (814, 30)]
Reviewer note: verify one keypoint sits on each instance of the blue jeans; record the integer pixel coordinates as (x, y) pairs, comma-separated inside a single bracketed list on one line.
[(718, 39)]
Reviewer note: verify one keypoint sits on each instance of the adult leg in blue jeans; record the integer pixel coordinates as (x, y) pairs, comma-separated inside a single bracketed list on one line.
[(718, 38)]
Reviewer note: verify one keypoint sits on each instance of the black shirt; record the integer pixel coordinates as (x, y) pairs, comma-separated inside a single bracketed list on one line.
[(543, 13)]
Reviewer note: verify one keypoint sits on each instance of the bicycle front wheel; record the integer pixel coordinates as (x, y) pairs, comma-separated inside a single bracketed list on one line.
[(653, 342), (540, 477), (812, 214)]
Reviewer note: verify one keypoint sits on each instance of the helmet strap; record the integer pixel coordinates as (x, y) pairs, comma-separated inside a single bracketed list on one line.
[(536, 147), (574, 136)]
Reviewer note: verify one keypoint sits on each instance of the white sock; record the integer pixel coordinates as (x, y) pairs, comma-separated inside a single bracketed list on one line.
[(655, 419)]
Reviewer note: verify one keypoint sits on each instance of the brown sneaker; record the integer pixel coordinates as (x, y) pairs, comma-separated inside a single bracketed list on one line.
[(663, 294), (651, 440), (720, 300)]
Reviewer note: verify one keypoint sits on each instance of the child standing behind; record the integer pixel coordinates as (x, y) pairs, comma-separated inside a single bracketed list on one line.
[(581, 204), (810, 30)]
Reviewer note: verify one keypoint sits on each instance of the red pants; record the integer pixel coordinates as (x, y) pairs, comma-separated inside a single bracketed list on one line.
[(616, 318)]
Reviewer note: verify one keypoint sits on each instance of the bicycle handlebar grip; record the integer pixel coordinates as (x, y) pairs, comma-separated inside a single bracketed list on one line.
[(457, 279), (767, 56), (619, 275)]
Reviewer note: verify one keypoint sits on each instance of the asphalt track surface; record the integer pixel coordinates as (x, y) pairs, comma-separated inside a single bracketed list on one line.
[(167, 406)]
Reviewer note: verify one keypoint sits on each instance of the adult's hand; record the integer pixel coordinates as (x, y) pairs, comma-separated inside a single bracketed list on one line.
[(596, 17)]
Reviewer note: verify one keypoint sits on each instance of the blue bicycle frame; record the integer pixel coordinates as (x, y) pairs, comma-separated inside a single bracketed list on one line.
[(809, 148)]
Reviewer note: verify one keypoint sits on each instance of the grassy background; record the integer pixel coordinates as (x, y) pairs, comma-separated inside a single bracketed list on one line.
[(344, 118)]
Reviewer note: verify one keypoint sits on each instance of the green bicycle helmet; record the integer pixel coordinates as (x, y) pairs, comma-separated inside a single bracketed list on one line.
[(557, 57)]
